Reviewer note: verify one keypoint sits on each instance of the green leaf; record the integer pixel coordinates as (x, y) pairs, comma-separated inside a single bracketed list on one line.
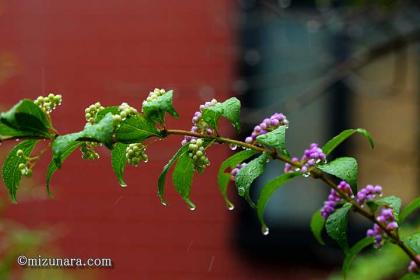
[(119, 161), (212, 114), (410, 276), (136, 129), (162, 176), (410, 208), (354, 251), (266, 193), (155, 110), (317, 225), (391, 201), (344, 168), (6, 132), (413, 241), (230, 109), (223, 178), (53, 167), (337, 140), (27, 117), (275, 139), (101, 114), (10, 172), (248, 174), (336, 225), (182, 178), (100, 132)]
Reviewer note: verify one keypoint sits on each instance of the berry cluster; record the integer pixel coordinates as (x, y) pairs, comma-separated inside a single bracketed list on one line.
[(334, 198), (126, 111), (24, 168), (92, 111), (88, 150), (199, 125), (310, 157), (386, 218), (267, 125), (196, 151), (154, 94), (412, 267), (368, 193), (48, 103), (235, 170), (135, 153)]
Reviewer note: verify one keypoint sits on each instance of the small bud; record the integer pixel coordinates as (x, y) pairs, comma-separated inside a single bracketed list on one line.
[(20, 153)]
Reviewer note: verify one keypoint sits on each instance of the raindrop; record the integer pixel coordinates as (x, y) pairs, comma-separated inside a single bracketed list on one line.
[(17, 139), (146, 160), (265, 230), (164, 203), (123, 185), (192, 208), (233, 147), (230, 206), (306, 174)]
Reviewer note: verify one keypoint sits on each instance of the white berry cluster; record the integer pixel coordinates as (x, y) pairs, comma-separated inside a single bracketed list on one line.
[(196, 151), (88, 150), (48, 103), (126, 110), (24, 168), (92, 111), (135, 153), (154, 94)]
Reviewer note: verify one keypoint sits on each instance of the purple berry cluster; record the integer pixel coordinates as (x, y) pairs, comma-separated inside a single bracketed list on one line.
[(412, 267), (267, 125), (334, 198), (386, 218), (368, 193), (310, 157), (199, 125), (235, 171)]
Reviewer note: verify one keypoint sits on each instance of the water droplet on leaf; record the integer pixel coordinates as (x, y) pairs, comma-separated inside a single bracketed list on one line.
[(233, 147), (230, 206), (265, 230)]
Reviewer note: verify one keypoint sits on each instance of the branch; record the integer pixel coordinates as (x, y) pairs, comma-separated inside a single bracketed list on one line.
[(315, 173)]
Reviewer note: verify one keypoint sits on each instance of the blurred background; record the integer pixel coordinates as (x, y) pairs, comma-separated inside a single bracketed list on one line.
[(328, 65)]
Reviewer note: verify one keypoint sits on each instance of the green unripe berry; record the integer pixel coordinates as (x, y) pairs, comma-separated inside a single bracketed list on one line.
[(20, 153)]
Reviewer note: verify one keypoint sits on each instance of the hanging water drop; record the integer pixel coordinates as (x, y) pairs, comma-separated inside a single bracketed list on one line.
[(306, 174), (265, 230), (17, 139), (233, 147), (192, 208), (230, 206)]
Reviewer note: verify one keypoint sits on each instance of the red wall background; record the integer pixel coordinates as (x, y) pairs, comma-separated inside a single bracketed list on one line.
[(116, 51)]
